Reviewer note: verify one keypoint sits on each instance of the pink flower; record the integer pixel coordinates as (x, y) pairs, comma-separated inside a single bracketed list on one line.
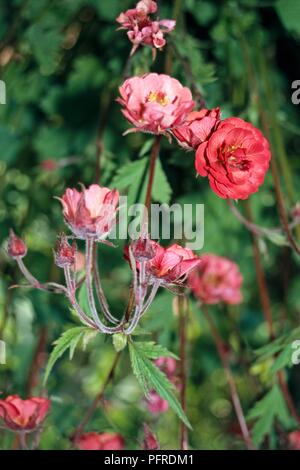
[(155, 103), (142, 29), (23, 415), (294, 440), (164, 265), (235, 159), (92, 212), (101, 441), (197, 128), (168, 365), (217, 279), (16, 248), (65, 253), (171, 265), (156, 404)]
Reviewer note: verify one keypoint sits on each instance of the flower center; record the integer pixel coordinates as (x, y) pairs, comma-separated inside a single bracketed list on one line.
[(235, 157), (158, 97)]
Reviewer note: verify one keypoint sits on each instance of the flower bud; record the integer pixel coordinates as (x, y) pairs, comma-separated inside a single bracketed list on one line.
[(16, 247), (65, 253), (150, 440), (142, 249)]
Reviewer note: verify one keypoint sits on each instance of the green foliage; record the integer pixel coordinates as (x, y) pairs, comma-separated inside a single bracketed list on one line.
[(289, 13), (267, 411), (68, 340), (151, 377)]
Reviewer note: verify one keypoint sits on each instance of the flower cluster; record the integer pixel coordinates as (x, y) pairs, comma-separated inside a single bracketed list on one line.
[(155, 403), (217, 279), (232, 153), (142, 29)]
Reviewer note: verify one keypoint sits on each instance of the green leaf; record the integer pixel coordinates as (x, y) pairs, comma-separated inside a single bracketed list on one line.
[(289, 13), (266, 411), (131, 176), (161, 189), (68, 340), (153, 351), (151, 377)]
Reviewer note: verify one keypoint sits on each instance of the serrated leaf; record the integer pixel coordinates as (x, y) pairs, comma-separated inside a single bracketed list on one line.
[(153, 350), (270, 408), (69, 339), (132, 177), (151, 377)]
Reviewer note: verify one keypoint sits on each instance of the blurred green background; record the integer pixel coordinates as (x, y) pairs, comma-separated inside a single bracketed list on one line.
[(62, 62)]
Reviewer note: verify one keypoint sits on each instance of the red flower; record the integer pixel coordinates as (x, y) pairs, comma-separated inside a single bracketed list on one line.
[(92, 212), (101, 441), (217, 279), (155, 103), (65, 253), (294, 440), (197, 128), (235, 159), (23, 415), (16, 248)]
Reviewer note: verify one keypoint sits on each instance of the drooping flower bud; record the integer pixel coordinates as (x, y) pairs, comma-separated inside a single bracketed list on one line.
[(142, 249), (16, 247), (65, 253), (150, 441)]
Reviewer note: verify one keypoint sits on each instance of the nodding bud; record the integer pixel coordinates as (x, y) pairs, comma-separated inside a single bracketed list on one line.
[(142, 249), (296, 212), (150, 441), (65, 253), (16, 248)]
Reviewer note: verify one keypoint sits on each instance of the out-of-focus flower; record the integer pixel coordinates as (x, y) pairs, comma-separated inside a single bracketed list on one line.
[(155, 103), (235, 158), (150, 441), (294, 440), (16, 248), (23, 415), (64, 253), (155, 403), (100, 441), (295, 212), (92, 212), (217, 279), (142, 30), (197, 128), (49, 165)]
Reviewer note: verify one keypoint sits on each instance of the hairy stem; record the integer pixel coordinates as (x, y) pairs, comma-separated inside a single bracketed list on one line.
[(89, 285)]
